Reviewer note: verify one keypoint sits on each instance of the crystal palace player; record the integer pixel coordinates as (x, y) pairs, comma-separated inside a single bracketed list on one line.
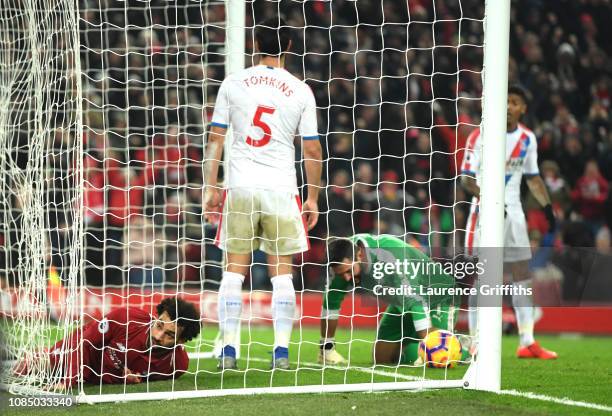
[(265, 106), (521, 160), (127, 346)]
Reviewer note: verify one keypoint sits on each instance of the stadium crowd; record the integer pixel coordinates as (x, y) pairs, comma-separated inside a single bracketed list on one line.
[(393, 117)]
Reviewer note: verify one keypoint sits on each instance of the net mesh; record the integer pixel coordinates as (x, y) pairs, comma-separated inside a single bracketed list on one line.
[(398, 89), (40, 122)]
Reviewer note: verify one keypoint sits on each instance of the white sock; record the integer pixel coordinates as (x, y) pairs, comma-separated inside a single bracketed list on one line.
[(229, 306), (473, 313), (283, 309), (523, 307)]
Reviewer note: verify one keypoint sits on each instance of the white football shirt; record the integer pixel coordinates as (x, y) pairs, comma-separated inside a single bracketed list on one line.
[(266, 107), (521, 159)]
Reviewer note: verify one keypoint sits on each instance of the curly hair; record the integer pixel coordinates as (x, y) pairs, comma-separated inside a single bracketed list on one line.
[(521, 91), (184, 313)]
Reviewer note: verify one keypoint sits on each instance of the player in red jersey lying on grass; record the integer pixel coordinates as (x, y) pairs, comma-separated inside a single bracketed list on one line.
[(127, 346)]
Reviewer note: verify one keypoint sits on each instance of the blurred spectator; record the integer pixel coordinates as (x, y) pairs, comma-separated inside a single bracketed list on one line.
[(339, 205), (143, 254), (192, 247), (93, 192), (598, 285), (392, 200), (556, 185), (366, 201), (341, 153), (149, 86), (94, 209), (572, 158), (126, 195), (590, 194)]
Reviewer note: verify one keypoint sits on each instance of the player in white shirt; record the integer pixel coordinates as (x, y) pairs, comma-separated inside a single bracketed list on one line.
[(266, 107), (521, 161)]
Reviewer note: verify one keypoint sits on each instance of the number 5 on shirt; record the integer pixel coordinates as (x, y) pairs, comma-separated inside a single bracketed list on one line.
[(258, 122)]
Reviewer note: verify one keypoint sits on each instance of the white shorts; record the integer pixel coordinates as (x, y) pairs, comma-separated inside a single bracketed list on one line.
[(262, 219), (516, 240)]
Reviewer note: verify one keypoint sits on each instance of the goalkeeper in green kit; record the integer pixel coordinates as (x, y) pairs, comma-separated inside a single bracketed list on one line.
[(404, 278)]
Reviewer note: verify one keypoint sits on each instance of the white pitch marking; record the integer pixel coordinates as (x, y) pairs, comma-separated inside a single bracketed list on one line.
[(559, 400), (529, 395)]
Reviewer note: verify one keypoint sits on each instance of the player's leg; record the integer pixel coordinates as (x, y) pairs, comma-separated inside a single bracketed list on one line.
[(416, 323), (229, 304), (283, 305), (283, 235), (390, 333), (472, 240), (517, 254), (524, 310), (236, 237), (399, 333), (444, 316)]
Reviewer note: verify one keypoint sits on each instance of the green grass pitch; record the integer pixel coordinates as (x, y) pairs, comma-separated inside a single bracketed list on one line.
[(582, 373)]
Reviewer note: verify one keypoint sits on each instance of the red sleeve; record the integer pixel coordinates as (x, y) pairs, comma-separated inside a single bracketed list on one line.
[(94, 336), (119, 320), (67, 352), (151, 170)]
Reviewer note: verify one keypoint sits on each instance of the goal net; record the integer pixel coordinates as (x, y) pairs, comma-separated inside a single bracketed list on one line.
[(104, 114), (40, 193)]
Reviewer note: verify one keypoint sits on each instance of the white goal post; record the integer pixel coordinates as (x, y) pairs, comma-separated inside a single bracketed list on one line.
[(80, 86), (486, 373)]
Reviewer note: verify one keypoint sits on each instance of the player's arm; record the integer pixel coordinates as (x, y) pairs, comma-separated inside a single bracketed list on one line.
[(470, 185), (335, 292), (536, 185), (313, 165), (471, 164), (214, 148), (94, 336), (313, 155)]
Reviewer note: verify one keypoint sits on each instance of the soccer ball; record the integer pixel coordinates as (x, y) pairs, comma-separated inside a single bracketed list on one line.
[(440, 349)]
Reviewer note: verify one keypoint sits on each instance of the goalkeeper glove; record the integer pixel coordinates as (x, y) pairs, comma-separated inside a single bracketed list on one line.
[(328, 354)]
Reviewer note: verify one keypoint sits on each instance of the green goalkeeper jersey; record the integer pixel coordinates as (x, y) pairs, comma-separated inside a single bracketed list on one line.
[(392, 264)]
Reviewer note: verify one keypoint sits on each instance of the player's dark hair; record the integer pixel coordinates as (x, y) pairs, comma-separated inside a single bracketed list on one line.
[(272, 36), (519, 90), (184, 313), (340, 249)]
